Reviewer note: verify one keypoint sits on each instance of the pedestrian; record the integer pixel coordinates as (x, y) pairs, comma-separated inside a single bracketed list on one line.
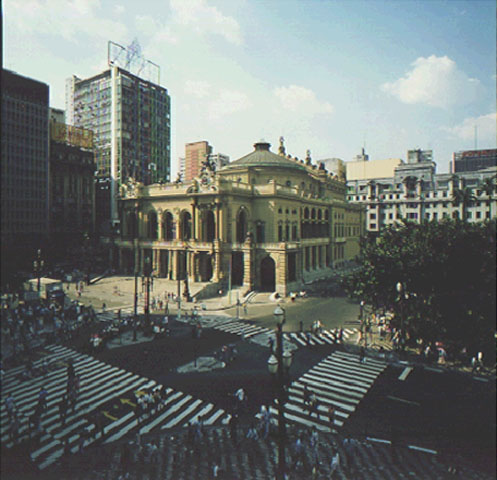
[(307, 395), (313, 405), (331, 415), (362, 355), (11, 405), (63, 410), (335, 464), (234, 428), (271, 344)]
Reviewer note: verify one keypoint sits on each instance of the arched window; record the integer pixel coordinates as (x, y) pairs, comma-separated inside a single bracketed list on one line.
[(208, 226), (306, 212), (319, 214), (313, 213), (168, 230), (241, 226), (186, 226), (152, 225)]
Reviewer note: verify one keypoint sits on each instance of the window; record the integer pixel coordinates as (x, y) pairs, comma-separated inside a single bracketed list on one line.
[(372, 216), (478, 214), (280, 233)]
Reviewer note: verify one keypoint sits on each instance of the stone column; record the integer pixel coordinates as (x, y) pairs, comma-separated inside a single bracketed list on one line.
[(173, 263), (216, 267), (218, 220), (160, 233), (281, 274)]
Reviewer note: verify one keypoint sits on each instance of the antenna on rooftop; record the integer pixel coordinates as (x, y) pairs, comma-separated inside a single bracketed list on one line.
[(131, 59)]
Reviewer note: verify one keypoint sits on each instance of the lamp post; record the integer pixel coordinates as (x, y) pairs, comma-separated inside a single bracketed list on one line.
[(279, 366), (38, 265), (186, 291), (147, 272), (402, 296)]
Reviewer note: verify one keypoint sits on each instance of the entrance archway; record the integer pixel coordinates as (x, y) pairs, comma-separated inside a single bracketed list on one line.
[(268, 275), (237, 268), (204, 267)]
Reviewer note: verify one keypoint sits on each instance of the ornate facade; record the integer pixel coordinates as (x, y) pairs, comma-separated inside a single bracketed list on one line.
[(265, 222)]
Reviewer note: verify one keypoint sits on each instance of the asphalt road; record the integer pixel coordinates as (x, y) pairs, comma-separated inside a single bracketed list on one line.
[(449, 412)]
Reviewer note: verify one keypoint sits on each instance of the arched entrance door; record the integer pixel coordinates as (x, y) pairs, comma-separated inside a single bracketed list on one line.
[(268, 275), (204, 267), (237, 268)]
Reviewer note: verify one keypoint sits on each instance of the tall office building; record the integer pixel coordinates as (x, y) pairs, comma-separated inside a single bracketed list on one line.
[(25, 150), (472, 160), (131, 121), (195, 154)]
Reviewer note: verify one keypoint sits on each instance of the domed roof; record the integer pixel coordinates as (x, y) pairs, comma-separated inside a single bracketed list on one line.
[(262, 157)]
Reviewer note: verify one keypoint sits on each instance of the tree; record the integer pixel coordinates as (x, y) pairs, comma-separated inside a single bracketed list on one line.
[(464, 197), (489, 186), (448, 273)]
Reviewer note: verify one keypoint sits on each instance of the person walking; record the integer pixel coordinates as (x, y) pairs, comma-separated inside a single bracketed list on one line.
[(362, 355), (331, 416), (335, 465)]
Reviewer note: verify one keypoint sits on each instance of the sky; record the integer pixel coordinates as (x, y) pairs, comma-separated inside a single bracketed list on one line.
[(331, 76)]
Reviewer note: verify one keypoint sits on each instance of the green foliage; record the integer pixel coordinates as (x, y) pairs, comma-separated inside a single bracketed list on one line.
[(448, 271)]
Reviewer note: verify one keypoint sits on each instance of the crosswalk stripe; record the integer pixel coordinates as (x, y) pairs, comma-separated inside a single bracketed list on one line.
[(339, 380)]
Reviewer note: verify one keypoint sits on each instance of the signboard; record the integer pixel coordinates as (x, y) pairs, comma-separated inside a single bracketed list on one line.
[(76, 136)]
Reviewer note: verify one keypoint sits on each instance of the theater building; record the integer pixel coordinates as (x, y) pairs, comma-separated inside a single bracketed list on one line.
[(264, 222)]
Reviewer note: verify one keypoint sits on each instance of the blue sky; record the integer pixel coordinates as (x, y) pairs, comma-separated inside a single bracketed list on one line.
[(330, 76)]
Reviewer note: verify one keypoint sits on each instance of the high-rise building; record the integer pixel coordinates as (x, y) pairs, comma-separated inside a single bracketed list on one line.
[(181, 167), (196, 153), (131, 121), (25, 150), (471, 160)]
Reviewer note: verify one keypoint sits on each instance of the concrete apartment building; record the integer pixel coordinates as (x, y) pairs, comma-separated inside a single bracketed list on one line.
[(196, 153), (266, 221), (415, 192)]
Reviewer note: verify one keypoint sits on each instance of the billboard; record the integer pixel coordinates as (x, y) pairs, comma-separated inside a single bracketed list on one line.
[(76, 136)]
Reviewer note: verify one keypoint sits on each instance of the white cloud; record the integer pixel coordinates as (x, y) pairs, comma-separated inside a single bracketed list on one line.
[(202, 18), (434, 81), (119, 9), (486, 128), (301, 100), (197, 88), (70, 19), (227, 103)]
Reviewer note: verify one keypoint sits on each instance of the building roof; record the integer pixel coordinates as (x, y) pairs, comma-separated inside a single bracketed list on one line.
[(262, 157)]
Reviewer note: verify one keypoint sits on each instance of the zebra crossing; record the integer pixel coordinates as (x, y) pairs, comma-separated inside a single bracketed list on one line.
[(103, 389), (341, 380), (262, 335)]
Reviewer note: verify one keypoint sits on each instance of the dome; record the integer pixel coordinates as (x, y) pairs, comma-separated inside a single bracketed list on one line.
[(262, 157)]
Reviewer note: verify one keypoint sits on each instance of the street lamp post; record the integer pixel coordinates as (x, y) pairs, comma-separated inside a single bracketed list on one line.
[(402, 296), (38, 265), (147, 272), (186, 291), (279, 366), (135, 305)]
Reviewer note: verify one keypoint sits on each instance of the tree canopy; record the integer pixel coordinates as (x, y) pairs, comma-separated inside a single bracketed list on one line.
[(448, 274)]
